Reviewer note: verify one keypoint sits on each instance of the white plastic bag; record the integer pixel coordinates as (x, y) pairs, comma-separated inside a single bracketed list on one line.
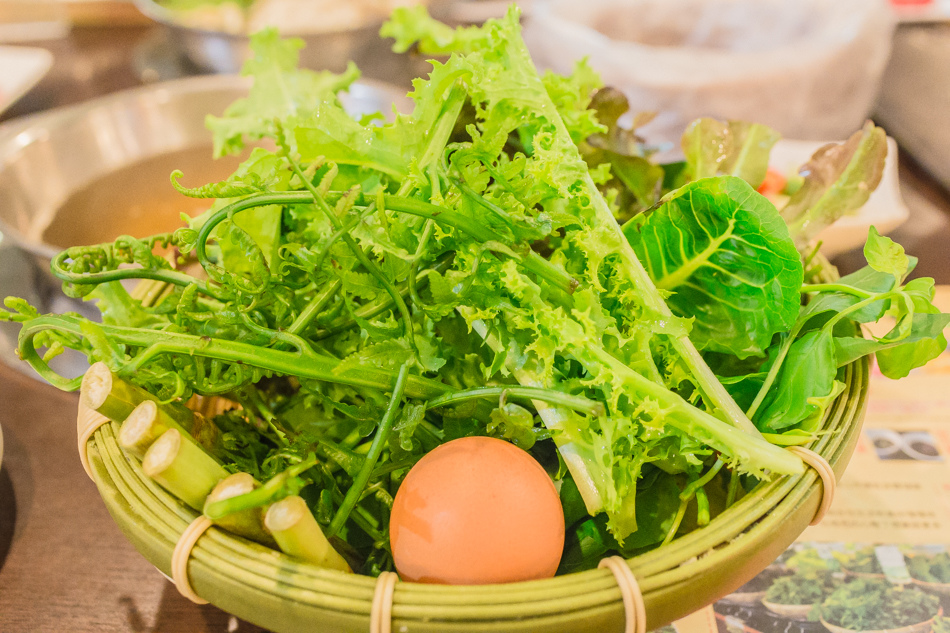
[(808, 68)]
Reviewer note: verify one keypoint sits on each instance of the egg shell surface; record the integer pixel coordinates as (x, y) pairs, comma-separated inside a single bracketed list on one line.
[(476, 510)]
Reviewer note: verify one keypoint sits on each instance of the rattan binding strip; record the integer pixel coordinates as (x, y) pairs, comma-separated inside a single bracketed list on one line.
[(635, 618), (182, 553), (381, 611), (828, 482), (87, 422)]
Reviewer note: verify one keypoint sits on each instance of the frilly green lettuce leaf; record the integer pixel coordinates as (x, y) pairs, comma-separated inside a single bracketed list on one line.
[(412, 25), (280, 90), (608, 326)]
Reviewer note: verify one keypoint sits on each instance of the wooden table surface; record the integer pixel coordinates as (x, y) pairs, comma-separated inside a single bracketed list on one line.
[(64, 565)]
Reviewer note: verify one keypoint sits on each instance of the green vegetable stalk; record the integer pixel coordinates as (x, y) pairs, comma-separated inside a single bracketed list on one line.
[(115, 398), (145, 424), (182, 468), (297, 533), (247, 523)]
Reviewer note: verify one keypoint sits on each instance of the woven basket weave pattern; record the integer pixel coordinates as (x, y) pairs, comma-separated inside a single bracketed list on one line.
[(282, 594)]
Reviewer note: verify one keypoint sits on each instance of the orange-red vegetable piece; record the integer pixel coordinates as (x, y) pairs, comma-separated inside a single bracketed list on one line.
[(774, 183)]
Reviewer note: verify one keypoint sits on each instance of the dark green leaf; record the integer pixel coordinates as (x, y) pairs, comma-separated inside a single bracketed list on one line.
[(656, 507), (572, 503), (675, 175), (807, 374), (639, 175), (585, 544)]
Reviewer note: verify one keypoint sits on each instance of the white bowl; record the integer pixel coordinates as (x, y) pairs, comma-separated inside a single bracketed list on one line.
[(810, 69)]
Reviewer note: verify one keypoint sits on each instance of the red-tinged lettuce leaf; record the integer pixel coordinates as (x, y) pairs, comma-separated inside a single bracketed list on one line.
[(734, 148), (838, 180), (624, 151), (725, 254)]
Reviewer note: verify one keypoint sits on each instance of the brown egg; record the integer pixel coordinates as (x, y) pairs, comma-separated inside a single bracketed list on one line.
[(476, 511)]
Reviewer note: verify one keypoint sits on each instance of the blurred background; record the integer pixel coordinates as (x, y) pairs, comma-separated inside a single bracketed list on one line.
[(815, 70), (102, 97)]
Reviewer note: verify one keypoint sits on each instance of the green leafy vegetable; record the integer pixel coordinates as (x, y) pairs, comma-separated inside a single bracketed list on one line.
[(884, 256), (930, 568), (725, 253), (808, 560), (280, 92), (366, 291), (862, 561), (735, 148), (807, 376)]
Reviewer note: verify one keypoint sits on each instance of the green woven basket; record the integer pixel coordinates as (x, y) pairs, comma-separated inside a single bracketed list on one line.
[(285, 595)]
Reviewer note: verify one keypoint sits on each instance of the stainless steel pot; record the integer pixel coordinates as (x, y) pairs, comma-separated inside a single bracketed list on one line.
[(218, 47), (46, 159)]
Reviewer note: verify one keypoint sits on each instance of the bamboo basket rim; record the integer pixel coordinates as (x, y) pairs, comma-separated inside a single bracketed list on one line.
[(273, 590)]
